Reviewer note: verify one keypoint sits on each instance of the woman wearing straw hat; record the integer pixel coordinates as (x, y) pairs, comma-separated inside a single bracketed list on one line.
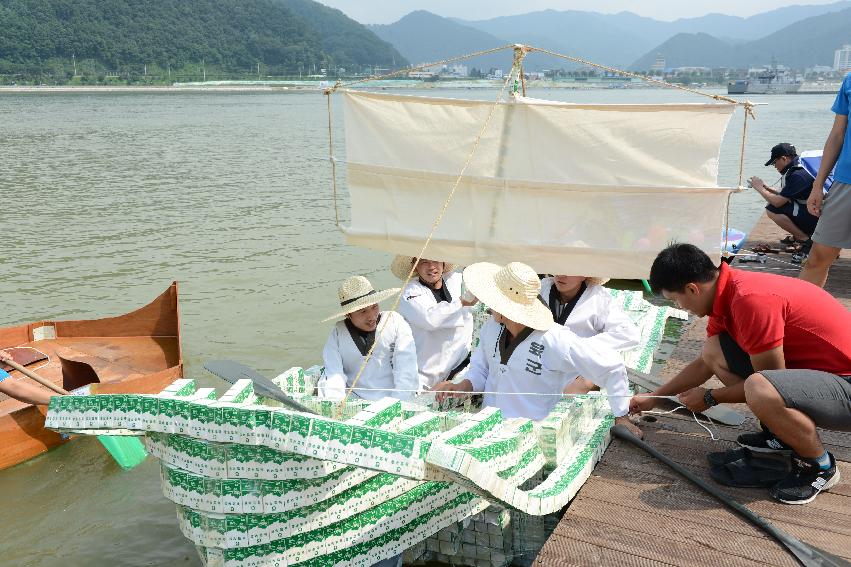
[(440, 319), (392, 368), (523, 351), (584, 306)]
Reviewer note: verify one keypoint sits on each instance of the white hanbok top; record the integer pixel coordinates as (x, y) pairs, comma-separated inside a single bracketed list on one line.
[(597, 315), (442, 330), (393, 364), (544, 363)]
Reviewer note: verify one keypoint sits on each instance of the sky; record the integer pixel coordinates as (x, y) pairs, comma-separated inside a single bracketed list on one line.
[(388, 11)]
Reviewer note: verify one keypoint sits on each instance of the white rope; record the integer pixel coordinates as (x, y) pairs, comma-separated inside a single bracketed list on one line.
[(563, 395), (693, 413), (540, 394)]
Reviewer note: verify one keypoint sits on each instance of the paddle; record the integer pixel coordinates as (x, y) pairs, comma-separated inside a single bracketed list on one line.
[(126, 451), (230, 371), (806, 555), (721, 414)]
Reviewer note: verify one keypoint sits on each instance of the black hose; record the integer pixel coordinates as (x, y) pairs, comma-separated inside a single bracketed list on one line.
[(807, 555)]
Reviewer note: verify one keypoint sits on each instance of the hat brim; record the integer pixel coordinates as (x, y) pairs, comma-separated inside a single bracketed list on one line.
[(771, 161), (596, 281), (366, 301), (479, 280), (401, 267)]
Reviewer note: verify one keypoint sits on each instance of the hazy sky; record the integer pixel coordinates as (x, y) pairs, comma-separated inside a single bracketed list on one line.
[(387, 11)]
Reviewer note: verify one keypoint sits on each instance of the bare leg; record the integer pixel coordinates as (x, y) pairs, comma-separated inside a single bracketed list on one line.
[(818, 263), (713, 357), (786, 224), (791, 426)]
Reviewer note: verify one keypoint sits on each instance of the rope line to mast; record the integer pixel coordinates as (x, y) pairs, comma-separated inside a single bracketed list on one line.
[(520, 51), (407, 70), (434, 226)]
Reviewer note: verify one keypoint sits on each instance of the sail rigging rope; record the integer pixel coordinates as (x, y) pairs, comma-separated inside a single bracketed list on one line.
[(434, 226), (520, 51)]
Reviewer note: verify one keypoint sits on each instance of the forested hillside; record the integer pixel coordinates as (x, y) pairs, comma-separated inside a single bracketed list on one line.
[(145, 37)]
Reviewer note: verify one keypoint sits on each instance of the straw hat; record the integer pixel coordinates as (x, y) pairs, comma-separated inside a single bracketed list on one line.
[(595, 281), (356, 293), (401, 265), (510, 290)]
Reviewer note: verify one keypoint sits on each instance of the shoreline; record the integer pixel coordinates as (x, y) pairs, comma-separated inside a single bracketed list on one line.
[(320, 86)]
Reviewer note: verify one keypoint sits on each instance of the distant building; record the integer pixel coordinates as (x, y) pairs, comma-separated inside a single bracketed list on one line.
[(659, 65), (458, 71), (820, 69), (691, 71), (842, 59)]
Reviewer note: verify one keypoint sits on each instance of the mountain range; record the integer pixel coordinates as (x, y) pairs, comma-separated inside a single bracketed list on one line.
[(627, 40)]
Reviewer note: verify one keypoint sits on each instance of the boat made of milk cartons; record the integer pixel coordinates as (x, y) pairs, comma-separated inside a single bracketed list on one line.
[(257, 484)]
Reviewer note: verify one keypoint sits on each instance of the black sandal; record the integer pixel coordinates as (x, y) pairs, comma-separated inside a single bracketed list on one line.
[(750, 473)]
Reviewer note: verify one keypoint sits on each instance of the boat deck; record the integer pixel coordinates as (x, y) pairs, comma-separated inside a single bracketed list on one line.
[(633, 510), (113, 358)]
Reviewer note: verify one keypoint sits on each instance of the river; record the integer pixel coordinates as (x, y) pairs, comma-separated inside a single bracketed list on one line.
[(107, 198)]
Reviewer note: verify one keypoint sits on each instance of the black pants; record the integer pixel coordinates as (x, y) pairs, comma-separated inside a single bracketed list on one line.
[(738, 361)]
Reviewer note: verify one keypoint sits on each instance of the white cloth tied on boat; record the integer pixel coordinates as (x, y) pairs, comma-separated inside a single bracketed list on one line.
[(393, 364), (442, 330), (596, 314), (566, 188), (544, 363)]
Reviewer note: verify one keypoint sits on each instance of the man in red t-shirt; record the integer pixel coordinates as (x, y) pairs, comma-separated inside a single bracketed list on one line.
[(779, 344)]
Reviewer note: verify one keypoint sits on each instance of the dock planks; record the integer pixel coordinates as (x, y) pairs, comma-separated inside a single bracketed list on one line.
[(635, 511)]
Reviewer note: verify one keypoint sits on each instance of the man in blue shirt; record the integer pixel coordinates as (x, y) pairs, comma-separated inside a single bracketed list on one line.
[(833, 231), (788, 207), (22, 391)]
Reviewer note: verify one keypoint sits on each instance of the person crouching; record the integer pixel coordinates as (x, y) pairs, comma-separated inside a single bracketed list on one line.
[(523, 353), (392, 368)]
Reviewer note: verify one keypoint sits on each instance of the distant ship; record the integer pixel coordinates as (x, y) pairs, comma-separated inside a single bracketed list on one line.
[(767, 81)]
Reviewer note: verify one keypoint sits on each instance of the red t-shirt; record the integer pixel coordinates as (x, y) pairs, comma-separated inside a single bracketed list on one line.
[(763, 311)]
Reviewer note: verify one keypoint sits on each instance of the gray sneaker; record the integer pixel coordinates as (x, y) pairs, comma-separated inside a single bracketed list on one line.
[(805, 482)]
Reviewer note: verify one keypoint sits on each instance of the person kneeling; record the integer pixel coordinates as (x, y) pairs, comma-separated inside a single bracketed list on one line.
[(392, 368), (523, 353)]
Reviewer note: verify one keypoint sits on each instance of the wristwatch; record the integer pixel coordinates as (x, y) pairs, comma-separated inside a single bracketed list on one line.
[(708, 399)]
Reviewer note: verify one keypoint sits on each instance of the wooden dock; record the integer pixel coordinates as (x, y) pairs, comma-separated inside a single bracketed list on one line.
[(635, 511)]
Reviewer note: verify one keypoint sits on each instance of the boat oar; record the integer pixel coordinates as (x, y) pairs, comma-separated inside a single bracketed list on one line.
[(127, 451), (806, 555), (230, 371)]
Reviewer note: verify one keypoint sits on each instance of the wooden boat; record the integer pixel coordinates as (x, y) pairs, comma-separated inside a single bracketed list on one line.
[(138, 352)]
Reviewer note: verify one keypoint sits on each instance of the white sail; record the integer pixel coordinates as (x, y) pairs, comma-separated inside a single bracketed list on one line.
[(595, 190)]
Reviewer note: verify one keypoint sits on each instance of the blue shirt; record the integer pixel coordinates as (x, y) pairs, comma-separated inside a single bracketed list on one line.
[(796, 183), (840, 106), (3, 374)]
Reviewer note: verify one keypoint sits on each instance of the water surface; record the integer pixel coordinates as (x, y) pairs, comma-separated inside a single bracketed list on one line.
[(107, 198)]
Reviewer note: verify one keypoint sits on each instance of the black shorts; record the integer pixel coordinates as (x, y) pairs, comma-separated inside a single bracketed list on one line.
[(823, 397), (738, 361), (803, 219)]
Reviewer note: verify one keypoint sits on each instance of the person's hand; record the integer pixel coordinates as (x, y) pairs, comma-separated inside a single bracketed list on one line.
[(642, 402), (5, 356), (450, 389), (756, 182), (693, 399), (634, 429), (815, 200)]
